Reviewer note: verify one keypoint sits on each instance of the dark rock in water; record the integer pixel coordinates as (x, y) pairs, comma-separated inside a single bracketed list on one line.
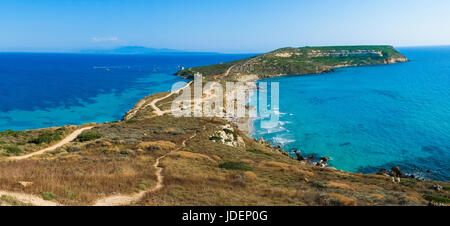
[(396, 172), (324, 159), (428, 171), (345, 144), (310, 156), (299, 156), (383, 172)]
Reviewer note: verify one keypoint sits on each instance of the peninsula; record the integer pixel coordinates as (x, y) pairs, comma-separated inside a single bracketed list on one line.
[(298, 61), (153, 158)]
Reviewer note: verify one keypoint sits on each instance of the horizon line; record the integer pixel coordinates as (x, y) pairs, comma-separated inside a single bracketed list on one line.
[(180, 51)]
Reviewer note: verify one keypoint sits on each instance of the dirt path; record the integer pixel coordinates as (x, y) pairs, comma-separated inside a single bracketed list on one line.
[(64, 141), (153, 103), (29, 199), (116, 200), (33, 199), (121, 200), (228, 71)]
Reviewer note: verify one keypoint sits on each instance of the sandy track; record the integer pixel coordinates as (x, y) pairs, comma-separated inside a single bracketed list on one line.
[(33, 199), (29, 199), (121, 200), (153, 103), (64, 141)]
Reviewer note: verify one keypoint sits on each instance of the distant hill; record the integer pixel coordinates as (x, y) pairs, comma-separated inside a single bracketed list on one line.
[(299, 61), (138, 50)]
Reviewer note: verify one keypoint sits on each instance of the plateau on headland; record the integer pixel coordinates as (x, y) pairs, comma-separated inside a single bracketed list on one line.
[(298, 61)]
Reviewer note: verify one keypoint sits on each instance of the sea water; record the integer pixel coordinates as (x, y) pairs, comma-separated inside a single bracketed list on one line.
[(43, 90), (369, 118)]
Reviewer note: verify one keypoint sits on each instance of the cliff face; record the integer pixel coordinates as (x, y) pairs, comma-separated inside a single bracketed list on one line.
[(299, 61)]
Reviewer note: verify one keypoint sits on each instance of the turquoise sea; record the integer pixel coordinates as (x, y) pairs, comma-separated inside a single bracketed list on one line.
[(368, 118), (42, 90), (364, 118)]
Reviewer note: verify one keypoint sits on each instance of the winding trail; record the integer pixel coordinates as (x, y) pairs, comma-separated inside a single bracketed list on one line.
[(228, 71), (33, 199), (121, 200), (115, 200), (153, 103), (29, 199), (64, 141)]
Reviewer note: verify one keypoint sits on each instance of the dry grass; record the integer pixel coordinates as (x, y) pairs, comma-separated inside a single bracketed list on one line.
[(23, 139), (78, 180), (157, 145), (340, 185), (121, 162), (343, 200), (191, 155)]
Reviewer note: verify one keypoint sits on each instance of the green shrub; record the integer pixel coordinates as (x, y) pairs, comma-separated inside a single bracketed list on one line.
[(143, 185), (46, 137), (229, 131), (89, 136), (12, 133), (436, 198), (13, 150), (12, 201), (48, 195), (131, 121), (235, 166), (216, 138)]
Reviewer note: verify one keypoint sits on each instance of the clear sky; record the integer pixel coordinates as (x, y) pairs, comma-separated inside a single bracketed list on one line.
[(220, 25)]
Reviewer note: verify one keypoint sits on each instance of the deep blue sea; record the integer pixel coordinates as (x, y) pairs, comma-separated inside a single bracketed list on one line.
[(43, 90), (368, 118), (364, 118)]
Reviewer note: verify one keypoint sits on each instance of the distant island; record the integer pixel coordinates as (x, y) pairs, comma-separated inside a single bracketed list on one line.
[(299, 61), (134, 50)]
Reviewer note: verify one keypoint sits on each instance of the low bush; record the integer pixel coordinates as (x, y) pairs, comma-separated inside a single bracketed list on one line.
[(215, 138), (436, 198), (89, 136), (48, 196), (235, 166), (46, 137), (13, 150)]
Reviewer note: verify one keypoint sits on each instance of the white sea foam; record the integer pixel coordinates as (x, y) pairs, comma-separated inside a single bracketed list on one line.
[(282, 140)]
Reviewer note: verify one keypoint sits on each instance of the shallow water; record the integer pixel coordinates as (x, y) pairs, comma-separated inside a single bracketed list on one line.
[(368, 118), (44, 90)]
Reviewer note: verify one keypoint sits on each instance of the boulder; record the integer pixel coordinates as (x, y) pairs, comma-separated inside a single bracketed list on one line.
[(324, 159), (396, 172), (299, 156)]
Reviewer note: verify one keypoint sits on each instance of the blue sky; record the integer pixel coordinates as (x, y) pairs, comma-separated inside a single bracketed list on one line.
[(224, 26)]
